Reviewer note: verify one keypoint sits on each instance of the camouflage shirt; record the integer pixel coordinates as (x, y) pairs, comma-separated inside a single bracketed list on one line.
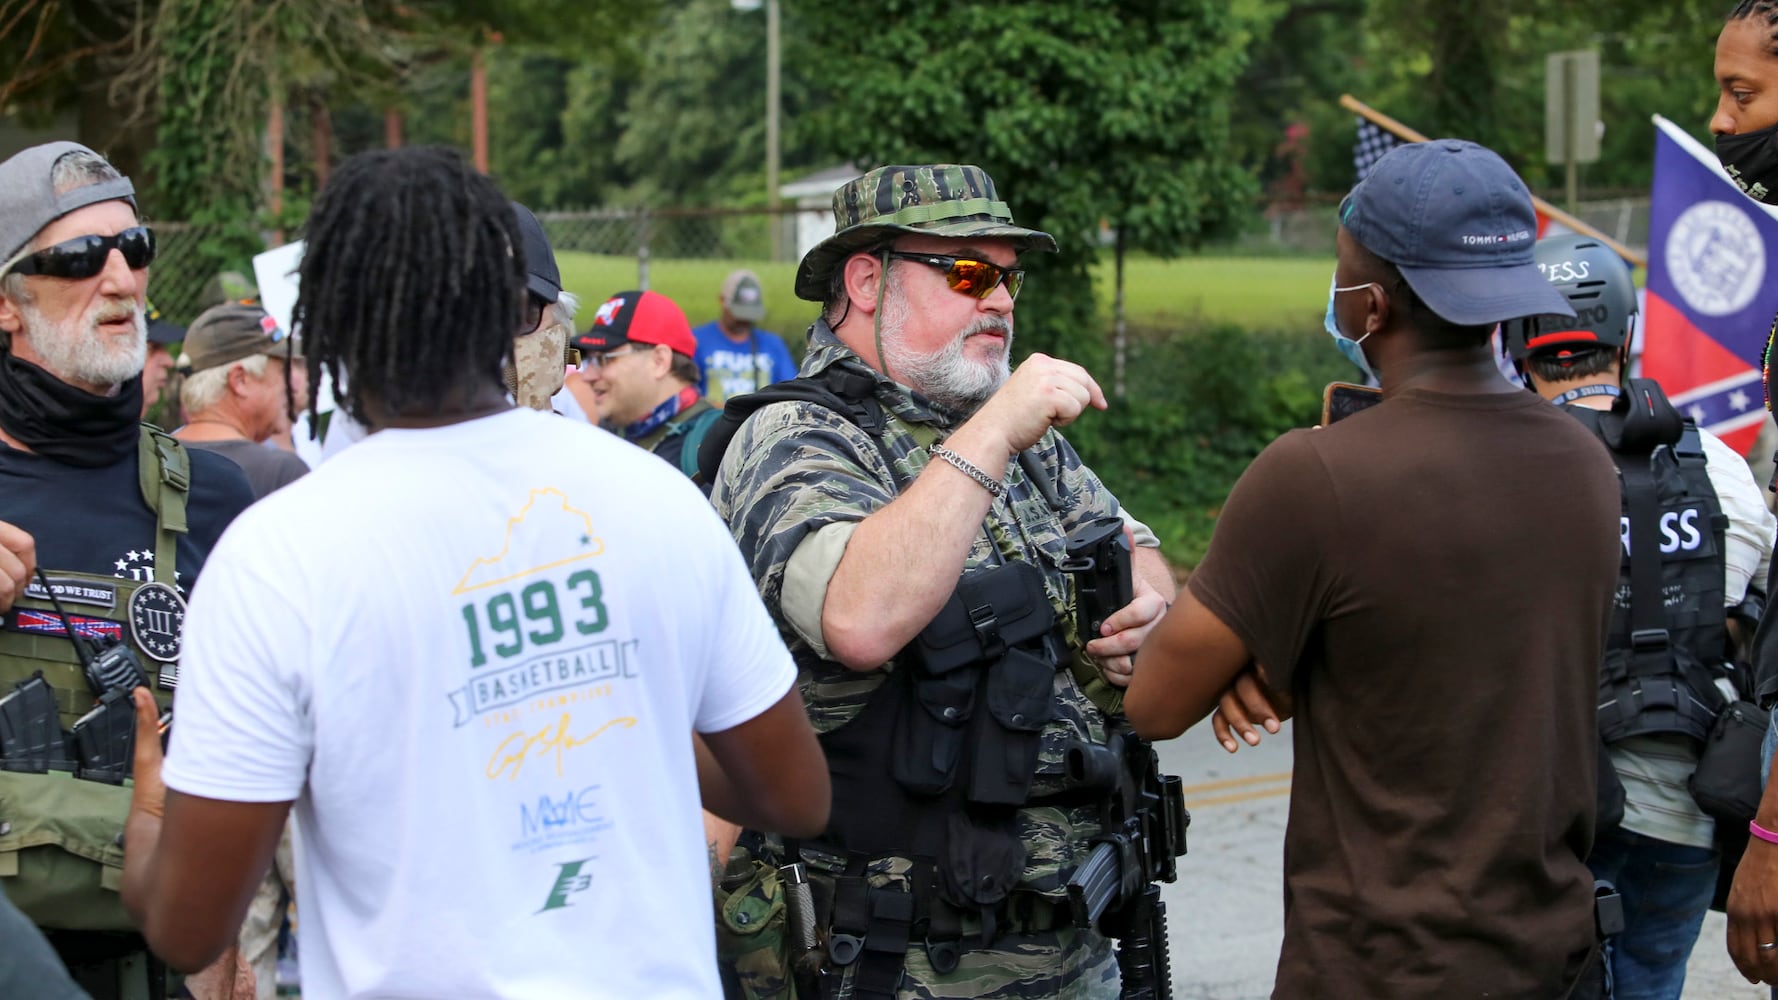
[(795, 468)]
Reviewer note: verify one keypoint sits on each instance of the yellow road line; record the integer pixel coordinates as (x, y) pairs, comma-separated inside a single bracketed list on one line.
[(1252, 779), (1219, 800)]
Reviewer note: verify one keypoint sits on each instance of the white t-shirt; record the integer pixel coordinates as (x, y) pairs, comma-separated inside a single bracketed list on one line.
[(474, 656)]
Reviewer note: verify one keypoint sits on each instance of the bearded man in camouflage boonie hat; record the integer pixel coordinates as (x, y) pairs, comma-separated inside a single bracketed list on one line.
[(929, 886)]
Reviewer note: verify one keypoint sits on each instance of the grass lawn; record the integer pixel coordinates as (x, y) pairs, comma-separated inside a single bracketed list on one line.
[(1255, 292)]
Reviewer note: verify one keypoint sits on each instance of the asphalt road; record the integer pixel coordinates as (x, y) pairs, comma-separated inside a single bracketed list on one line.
[(1225, 914)]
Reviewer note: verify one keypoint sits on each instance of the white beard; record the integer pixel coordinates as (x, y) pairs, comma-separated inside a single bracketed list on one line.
[(74, 350)]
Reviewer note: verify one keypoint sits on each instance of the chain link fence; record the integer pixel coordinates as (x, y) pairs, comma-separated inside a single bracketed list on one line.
[(177, 285), (183, 285), (1310, 229), (672, 248)]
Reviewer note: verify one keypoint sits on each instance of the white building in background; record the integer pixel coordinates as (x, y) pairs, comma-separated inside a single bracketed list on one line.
[(813, 196)]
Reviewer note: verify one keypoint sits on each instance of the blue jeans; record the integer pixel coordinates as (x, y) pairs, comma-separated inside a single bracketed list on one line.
[(1666, 890)]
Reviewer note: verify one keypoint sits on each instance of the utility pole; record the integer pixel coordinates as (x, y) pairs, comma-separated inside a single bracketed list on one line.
[(478, 109), (772, 52), (775, 222)]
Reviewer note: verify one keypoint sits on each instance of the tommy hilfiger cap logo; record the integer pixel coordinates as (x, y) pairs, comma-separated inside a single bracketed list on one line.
[(1516, 236)]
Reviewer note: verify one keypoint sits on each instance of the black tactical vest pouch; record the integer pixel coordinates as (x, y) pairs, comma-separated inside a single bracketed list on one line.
[(994, 612)]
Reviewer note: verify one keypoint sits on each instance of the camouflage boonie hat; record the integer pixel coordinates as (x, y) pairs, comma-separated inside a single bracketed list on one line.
[(943, 199)]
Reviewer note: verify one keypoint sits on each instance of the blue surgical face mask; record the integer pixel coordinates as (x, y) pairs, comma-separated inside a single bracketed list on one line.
[(1349, 347)]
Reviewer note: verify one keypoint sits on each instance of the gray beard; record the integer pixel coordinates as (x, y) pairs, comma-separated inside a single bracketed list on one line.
[(74, 350), (946, 376)]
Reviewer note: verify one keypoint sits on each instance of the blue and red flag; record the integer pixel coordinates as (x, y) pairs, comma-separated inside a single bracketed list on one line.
[(1709, 305)]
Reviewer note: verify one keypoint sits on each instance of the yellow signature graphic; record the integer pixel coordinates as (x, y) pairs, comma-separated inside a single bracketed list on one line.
[(552, 513), (512, 753)]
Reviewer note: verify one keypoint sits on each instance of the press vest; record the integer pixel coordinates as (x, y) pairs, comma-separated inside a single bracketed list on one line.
[(1667, 624)]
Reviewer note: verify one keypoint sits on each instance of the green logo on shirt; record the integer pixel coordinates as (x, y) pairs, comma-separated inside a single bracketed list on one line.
[(568, 880)]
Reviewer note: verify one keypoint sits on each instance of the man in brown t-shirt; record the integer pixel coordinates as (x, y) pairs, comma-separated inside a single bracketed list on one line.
[(1428, 583)]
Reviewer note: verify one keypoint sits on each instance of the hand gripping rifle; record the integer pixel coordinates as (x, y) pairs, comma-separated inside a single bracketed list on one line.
[(1144, 818), (104, 739)]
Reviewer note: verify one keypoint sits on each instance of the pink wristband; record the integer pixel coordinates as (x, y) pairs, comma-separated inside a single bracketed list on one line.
[(1761, 832)]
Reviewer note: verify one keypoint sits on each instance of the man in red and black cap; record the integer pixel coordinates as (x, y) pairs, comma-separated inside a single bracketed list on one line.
[(638, 359)]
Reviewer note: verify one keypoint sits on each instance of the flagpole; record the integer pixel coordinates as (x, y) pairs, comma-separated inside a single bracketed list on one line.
[(1403, 132)]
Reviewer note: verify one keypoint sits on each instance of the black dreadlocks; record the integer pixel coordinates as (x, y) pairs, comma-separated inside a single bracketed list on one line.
[(1767, 9), (410, 284)]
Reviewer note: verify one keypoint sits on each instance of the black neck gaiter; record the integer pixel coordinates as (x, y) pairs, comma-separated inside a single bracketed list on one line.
[(1752, 162), (64, 423)]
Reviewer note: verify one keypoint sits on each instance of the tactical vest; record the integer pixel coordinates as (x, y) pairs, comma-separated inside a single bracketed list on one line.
[(936, 765), (63, 803), (1668, 634)]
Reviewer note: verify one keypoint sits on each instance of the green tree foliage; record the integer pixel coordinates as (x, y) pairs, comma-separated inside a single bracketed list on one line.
[(672, 116), (1109, 113), (203, 161), (49, 48), (1475, 70)]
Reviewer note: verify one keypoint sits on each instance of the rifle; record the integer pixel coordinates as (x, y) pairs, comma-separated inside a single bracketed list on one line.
[(1144, 816), (1114, 890)]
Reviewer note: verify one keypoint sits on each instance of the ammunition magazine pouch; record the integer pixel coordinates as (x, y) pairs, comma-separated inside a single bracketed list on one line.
[(991, 642), (61, 849), (752, 937), (61, 820)]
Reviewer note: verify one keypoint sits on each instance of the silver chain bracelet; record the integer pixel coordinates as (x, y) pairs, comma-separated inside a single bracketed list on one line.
[(968, 468)]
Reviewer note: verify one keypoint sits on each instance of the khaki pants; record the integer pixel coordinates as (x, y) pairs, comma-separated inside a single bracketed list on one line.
[(265, 915)]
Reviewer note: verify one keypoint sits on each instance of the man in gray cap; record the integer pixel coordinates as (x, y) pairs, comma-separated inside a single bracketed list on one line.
[(122, 516), (734, 355), (948, 864), (243, 375), (1429, 582)]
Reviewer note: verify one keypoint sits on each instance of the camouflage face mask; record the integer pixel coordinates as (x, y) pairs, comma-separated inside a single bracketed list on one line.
[(539, 362)]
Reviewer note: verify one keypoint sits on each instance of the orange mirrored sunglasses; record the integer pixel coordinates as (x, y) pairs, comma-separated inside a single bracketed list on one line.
[(974, 278)]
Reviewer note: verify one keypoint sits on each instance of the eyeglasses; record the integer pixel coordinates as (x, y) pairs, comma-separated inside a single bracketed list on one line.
[(531, 316), (974, 278), (85, 256), (595, 360)]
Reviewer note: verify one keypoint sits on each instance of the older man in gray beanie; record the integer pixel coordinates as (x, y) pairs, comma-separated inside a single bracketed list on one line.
[(122, 517)]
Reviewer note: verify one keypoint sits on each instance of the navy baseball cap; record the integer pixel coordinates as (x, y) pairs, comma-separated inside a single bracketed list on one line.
[(1460, 226), (541, 275)]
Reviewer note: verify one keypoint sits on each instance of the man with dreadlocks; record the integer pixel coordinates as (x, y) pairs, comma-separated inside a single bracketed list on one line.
[(454, 653)]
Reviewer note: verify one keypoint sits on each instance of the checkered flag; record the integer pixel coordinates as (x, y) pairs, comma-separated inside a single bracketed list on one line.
[(1372, 143)]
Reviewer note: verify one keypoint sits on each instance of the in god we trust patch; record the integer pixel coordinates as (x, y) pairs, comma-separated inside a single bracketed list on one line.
[(157, 617)]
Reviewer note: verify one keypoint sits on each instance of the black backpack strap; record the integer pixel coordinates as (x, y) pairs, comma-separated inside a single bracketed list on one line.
[(693, 431), (1649, 640), (850, 394), (1642, 420), (164, 469)]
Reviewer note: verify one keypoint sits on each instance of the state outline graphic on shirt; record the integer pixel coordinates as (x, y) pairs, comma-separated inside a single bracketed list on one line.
[(545, 510)]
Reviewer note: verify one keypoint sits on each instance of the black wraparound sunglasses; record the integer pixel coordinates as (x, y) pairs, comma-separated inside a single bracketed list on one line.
[(84, 256)]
